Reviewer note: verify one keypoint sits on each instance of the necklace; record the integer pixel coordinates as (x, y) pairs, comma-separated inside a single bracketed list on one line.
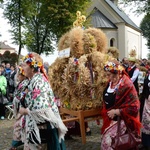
[(117, 86)]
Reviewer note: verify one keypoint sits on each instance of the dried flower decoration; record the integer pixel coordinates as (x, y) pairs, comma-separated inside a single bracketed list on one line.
[(80, 19), (132, 53)]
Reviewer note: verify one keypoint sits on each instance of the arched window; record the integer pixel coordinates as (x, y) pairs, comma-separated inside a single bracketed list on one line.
[(112, 42)]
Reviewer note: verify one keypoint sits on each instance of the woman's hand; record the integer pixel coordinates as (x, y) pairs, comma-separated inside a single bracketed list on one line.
[(23, 111), (113, 112)]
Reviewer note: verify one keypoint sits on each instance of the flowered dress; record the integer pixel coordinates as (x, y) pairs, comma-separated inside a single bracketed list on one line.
[(16, 105), (42, 109)]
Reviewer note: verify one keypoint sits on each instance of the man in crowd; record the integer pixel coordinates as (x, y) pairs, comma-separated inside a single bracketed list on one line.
[(133, 72)]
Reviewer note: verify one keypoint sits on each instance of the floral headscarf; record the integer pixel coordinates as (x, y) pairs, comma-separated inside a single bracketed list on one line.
[(113, 67)]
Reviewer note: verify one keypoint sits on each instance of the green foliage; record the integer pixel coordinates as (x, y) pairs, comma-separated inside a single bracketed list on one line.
[(36, 24), (9, 57), (14, 58), (15, 11), (49, 21), (145, 27)]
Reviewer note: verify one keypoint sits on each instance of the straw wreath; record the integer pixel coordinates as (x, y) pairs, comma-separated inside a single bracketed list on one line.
[(79, 80)]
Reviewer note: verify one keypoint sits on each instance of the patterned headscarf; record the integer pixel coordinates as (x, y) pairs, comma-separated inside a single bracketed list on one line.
[(113, 67)]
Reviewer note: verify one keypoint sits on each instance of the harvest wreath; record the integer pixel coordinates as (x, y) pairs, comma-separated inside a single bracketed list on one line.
[(79, 80)]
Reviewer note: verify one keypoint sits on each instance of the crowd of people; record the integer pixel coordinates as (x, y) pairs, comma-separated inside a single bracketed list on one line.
[(7, 74), (8, 82), (38, 123)]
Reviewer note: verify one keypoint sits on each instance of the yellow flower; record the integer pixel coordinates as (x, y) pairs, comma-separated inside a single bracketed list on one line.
[(23, 58), (83, 18), (78, 13), (33, 63), (39, 64), (120, 68), (80, 19), (75, 24), (110, 67), (109, 63), (27, 56)]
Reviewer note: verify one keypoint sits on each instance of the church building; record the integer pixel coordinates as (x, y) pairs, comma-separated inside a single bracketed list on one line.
[(120, 30)]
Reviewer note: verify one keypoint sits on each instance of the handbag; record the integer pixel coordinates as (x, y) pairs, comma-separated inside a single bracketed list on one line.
[(126, 141), (11, 82)]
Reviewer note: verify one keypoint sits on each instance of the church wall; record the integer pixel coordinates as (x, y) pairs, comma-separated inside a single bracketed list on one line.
[(111, 34), (134, 41), (121, 40)]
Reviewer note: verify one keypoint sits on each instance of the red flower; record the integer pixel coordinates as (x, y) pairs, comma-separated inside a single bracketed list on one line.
[(30, 55)]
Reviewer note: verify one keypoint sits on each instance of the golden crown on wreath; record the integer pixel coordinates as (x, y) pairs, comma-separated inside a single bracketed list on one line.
[(132, 55), (80, 19)]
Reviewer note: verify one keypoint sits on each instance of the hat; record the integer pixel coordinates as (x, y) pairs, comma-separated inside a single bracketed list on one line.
[(132, 59)]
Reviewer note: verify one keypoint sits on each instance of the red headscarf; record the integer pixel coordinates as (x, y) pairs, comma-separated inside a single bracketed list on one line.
[(128, 102)]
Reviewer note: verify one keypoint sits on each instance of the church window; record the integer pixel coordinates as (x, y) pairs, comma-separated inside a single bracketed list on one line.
[(112, 42)]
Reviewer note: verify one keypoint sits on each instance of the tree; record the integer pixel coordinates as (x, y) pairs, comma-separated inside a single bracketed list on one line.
[(16, 18), (43, 21), (9, 57), (50, 20), (145, 27), (142, 6)]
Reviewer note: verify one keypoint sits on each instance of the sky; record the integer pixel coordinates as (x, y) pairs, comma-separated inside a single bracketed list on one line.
[(6, 36)]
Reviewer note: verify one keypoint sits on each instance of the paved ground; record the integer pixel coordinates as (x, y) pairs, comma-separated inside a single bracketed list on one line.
[(93, 141)]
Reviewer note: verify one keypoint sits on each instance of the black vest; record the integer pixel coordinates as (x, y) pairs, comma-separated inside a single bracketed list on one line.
[(130, 73), (109, 100)]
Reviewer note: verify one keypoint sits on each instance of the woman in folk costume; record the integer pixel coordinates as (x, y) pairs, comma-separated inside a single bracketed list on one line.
[(18, 98), (42, 127), (145, 97), (120, 99)]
